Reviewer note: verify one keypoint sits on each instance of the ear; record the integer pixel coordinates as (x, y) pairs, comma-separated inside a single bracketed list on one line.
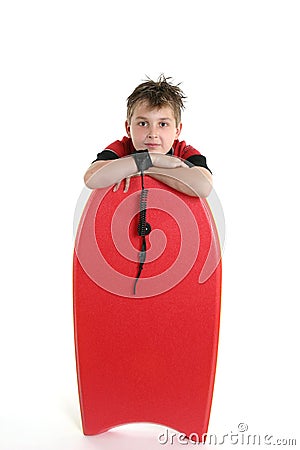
[(127, 127), (178, 130)]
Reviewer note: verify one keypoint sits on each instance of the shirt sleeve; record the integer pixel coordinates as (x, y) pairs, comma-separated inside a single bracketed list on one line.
[(117, 149), (106, 155), (188, 153), (198, 160)]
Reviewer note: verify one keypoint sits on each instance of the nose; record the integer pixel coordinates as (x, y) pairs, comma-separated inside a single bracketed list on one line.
[(152, 134)]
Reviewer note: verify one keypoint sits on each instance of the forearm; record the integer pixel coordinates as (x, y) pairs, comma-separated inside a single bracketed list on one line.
[(193, 181), (106, 173)]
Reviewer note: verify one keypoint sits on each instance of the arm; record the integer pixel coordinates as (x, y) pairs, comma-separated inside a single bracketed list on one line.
[(195, 181), (106, 173)]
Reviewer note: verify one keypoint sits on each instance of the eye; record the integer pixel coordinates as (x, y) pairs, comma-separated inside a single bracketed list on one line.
[(163, 124), (142, 123)]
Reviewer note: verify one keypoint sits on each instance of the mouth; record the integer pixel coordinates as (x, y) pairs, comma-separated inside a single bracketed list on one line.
[(151, 145)]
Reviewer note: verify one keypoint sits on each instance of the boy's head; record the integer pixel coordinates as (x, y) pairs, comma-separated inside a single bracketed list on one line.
[(157, 94), (154, 115)]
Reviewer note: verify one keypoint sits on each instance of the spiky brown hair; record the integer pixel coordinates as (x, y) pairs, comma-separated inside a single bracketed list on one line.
[(157, 94)]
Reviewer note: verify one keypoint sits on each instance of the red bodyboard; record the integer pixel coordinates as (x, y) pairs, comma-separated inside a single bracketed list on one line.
[(149, 356)]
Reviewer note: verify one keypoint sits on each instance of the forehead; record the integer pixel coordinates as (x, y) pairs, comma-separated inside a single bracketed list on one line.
[(143, 109)]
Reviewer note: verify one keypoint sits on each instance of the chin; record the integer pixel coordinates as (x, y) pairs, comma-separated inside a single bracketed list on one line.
[(157, 150)]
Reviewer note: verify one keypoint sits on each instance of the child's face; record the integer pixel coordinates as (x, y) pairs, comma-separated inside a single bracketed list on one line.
[(153, 129)]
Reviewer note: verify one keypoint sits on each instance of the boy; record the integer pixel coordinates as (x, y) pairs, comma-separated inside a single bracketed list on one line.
[(153, 125)]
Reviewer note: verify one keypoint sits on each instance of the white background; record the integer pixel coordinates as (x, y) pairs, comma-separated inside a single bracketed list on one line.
[(66, 71)]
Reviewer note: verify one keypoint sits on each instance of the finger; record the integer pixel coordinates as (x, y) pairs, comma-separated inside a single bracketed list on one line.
[(180, 163), (127, 184), (116, 187), (177, 163)]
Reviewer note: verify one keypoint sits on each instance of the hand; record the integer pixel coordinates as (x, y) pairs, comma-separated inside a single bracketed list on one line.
[(126, 185), (166, 161)]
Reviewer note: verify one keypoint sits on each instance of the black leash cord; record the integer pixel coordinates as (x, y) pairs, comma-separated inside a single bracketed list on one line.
[(142, 258), (143, 162), (143, 229)]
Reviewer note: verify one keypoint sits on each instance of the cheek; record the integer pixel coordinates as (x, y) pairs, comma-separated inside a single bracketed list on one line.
[(171, 135), (138, 132), (137, 136)]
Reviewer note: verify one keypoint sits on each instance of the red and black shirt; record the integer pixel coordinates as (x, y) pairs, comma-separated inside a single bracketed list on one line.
[(180, 149)]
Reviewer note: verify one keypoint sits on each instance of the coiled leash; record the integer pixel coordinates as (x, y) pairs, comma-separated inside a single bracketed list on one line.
[(143, 162)]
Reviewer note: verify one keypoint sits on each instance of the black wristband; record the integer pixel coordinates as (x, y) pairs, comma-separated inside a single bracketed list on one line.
[(142, 160)]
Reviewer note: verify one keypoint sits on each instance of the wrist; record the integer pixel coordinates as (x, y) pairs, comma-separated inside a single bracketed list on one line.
[(142, 160)]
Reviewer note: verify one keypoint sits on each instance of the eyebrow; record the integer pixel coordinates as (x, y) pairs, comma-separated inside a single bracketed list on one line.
[(146, 118)]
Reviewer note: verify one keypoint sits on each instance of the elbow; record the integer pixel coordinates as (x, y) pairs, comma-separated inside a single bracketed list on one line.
[(88, 181), (92, 178), (202, 185), (202, 192), (205, 184), (93, 182), (206, 190)]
